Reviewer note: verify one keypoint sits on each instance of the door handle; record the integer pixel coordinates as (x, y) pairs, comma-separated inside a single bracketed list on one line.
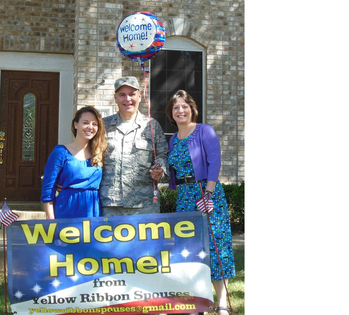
[(2, 139)]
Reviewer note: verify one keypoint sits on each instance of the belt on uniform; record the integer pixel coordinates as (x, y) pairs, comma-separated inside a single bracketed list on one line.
[(188, 180)]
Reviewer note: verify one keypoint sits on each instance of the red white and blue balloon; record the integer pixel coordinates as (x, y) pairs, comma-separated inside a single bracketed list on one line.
[(140, 36)]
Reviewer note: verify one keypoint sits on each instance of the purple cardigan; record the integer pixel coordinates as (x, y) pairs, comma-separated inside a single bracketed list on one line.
[(205, 153)]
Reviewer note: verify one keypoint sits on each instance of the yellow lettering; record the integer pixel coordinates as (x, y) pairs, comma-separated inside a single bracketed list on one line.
[(117, 265), (82, 266), (131, 232), (32, 238), (154, 230), (70, 232), (165, 262), (86, 231), (68, 264), (97, 234), (183, 226), (147, 264)]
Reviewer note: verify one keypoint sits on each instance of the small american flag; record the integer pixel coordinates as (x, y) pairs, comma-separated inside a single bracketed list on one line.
[(7, 216), (205, 204)]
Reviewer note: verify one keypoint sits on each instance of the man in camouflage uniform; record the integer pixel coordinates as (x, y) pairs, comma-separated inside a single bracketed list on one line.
[(128, 182)]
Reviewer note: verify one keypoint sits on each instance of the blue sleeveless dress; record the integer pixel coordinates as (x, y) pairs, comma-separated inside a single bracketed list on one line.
[(187, 195), (80, 185)]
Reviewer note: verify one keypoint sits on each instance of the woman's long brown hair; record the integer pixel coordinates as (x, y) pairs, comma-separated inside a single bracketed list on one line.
[(98, 144)]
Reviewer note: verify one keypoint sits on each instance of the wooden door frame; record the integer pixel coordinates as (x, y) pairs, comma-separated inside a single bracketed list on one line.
[(20, 176), (64, 64)]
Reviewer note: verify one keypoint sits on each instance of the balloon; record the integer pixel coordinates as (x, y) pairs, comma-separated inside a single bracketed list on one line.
[(140, 36)]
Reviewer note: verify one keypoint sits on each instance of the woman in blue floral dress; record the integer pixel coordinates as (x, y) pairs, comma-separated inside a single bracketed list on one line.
[(195, 159)]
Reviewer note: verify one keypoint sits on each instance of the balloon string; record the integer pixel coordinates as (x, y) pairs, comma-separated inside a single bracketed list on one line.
[(145, 94)]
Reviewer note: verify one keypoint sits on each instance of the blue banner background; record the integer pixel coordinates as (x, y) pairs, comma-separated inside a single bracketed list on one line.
[(28, 265)]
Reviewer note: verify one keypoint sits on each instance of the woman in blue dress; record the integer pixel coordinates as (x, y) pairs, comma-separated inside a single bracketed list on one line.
[(77, 167), (195, 158)]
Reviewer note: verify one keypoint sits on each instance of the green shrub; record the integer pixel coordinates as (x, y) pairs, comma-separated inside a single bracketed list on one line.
[(167, 200), (234, 193)]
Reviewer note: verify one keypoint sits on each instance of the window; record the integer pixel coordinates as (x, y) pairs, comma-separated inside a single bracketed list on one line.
[(178, 66), (28, 133)]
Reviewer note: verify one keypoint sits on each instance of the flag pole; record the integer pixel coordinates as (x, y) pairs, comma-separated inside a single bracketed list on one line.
[(5, 281), (217, 252), (7, 217), (5, 271)]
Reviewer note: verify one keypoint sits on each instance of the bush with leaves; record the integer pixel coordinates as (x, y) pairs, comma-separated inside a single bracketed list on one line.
[(167, 200), (235, 195)]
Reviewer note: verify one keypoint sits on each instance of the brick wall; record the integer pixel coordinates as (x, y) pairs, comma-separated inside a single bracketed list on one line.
[(217, 25), (88, 28), (96, 54), (37, 26)]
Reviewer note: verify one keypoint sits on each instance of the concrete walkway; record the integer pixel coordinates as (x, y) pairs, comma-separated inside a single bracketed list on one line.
[(238, 240)]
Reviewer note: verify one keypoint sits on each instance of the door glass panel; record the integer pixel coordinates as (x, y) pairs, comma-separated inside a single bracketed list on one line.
[(28, 136)]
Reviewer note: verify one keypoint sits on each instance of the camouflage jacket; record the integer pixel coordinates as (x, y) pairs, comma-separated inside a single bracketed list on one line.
[(126, 181)]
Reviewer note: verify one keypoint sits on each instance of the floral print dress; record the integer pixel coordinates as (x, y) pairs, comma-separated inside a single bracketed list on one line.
[(187, 195)]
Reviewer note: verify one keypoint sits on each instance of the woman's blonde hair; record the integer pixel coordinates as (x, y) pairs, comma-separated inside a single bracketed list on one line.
[(98, 144)]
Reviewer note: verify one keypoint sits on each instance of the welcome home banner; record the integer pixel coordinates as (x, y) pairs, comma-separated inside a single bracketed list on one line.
[(112, 265)]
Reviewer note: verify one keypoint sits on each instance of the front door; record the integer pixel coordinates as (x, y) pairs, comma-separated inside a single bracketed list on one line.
[(28, 131)]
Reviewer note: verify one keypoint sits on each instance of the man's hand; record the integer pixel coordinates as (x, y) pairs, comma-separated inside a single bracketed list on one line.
[(156, 172)]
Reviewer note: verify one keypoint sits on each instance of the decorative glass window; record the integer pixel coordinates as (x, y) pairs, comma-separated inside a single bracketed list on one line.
[(28, 135), (179, 66)]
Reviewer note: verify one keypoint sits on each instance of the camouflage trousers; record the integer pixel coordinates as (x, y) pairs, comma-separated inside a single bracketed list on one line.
[(114, 211)]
